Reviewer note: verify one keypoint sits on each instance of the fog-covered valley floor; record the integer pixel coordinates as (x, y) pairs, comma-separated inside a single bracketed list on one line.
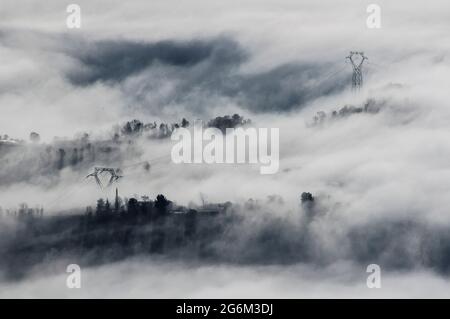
[(156, 279)]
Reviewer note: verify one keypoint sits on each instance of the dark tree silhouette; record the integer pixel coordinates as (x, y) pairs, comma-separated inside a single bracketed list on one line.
[(307, 197), (108, 207), (35, 137), (62, 154), (184, 122), (100, 206), (133, 206), (161, 203)]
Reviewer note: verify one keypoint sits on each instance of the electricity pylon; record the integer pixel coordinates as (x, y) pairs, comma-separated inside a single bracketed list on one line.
[(113, 172), (357, 78)]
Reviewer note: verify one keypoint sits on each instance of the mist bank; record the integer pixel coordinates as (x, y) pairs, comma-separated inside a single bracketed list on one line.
[(41, 163), (259, 232), (156, 278)]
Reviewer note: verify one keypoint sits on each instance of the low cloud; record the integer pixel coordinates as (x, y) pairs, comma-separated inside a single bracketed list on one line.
[(381, 177)]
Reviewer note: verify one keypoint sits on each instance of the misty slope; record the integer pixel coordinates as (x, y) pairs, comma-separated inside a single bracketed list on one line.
[(41, 163)]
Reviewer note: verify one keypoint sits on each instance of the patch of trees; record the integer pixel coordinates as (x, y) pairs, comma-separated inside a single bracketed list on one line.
[(23, 212), (82, 151), (135, 128), (224, 122), (131, 207), (370, 106)]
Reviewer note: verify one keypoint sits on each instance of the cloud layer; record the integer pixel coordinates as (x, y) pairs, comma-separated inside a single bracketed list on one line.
[(382, 178)]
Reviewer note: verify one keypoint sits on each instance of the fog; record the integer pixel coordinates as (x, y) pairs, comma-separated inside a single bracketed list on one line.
[(145, 279), (276, 63)]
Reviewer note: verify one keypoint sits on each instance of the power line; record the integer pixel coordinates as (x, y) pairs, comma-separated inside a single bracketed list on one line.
[(334, 73)]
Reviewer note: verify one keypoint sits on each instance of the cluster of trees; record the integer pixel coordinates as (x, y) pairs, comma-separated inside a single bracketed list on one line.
[(6, 138), (112, 231), (82, 152), (23, 212), (131, 207), (34, 138), (370, 106), (224, 122), (163, 130), (72, 153), (136, 128)]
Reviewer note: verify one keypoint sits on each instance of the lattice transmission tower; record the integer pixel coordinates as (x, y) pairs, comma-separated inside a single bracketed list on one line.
[(357, 77), (114, 175)]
